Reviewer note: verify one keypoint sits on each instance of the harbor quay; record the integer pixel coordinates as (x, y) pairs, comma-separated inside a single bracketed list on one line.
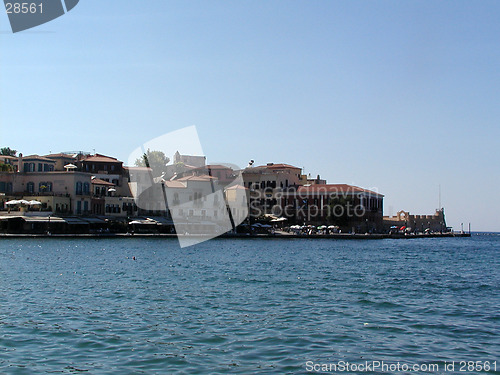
[(94, 194)]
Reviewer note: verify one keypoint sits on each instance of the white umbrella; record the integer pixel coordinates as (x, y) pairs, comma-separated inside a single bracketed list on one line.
[(111, 189), (34, 203), (70, 166), (12, 203), (278, 220), (23, 201)]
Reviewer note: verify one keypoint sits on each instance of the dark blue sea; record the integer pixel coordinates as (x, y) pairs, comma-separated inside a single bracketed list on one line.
[(232, 306)]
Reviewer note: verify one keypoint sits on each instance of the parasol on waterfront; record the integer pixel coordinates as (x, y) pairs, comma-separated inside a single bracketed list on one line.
[(278, 220), (12, 202), (70, 166)]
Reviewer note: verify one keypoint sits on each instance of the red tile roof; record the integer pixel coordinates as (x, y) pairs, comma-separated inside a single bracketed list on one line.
[(196, 178), (98, 181), (278, 166), (236, 187), (102, 158), (37, 157), (174, 184), (61, 155)]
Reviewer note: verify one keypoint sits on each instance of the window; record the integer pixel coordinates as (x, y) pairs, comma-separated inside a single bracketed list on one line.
[(85, 206), (29, 167), (40, 167), (30, 187), (86, 188), (45, 187), (78, 188), (97, 190), (78, 207)]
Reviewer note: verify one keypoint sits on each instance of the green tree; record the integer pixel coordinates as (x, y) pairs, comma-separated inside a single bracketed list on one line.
[(156, 160), (7, 151), (6, 167)]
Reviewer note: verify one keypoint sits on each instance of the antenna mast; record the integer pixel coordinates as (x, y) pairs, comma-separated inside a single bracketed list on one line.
[(439, 197)]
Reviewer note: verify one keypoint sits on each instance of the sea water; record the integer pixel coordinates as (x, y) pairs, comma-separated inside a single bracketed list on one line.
[(246, 306)]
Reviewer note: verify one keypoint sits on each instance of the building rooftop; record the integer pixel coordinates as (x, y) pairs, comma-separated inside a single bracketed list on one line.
[(98, 181), (101, 158), (174, 184), (279, 166), (61, 155), (37, 157), (335, 188), (197, 178)]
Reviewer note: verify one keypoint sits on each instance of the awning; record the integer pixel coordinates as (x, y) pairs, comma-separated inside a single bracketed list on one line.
[(42, 219), (162, 220), (143, 222), (94, 220), (75, 221)]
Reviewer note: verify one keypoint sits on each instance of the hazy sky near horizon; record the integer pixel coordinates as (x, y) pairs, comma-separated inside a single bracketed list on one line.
[(397, 96)]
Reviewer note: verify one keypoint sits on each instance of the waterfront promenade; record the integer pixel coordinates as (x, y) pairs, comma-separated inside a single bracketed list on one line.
[(279, 235)]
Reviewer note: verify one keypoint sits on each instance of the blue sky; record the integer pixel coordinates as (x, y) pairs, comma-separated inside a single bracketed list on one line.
[(399, 96)]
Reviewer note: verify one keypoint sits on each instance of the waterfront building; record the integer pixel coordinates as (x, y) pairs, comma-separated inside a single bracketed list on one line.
[(266, 182), (103, 167), (406, 222), (63, 159), (350, 207), (192, 160), (34, 163)]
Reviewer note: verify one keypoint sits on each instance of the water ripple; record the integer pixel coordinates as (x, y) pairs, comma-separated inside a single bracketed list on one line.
[(239, 307)]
